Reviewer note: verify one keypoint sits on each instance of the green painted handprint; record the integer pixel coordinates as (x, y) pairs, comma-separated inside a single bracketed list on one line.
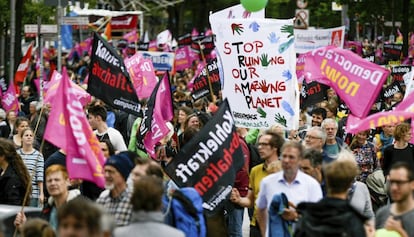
[(264, 60), (280, 119), (262, 113), (287, 29)]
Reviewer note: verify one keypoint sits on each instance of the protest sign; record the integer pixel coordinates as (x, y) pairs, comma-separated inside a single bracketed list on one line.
[(308, 40), (109, 79), (142, 75), (201, 85), (210, 160), (259, 64)]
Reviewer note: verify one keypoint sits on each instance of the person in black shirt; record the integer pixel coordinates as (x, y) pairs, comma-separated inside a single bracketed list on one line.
[(401, 150)]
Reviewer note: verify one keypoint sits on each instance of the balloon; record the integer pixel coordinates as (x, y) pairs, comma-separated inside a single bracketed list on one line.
[(253, 5), (386, 233)]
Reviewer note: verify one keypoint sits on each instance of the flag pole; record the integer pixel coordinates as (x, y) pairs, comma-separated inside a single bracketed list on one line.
[(213, 98), (103, 24)]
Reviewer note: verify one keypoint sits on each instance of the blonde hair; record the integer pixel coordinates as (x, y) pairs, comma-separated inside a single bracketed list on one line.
[(56, 168)]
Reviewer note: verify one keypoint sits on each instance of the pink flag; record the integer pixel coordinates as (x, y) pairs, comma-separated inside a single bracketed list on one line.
[(300, 67), (183, 58), (200, 67), (37, 84), (9, 99), (355, 125), (69, 129), (406, 104), (194, 32), (162, 113), (153, 46), (85, 46), (354, 46), (142, 75), (348, 74), (51, 87), (131, 37)]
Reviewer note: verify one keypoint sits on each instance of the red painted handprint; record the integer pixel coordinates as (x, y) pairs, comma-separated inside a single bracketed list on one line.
[(264, 86)]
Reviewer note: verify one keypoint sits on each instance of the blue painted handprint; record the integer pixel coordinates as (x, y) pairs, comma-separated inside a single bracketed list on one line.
[(254, 26), (273, 38), (283, 47), (286, 106), (287, 74)]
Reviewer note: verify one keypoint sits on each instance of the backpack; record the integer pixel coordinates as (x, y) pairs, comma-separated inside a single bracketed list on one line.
[(377, 189), (323, 221), (185, 212), (255, 158)]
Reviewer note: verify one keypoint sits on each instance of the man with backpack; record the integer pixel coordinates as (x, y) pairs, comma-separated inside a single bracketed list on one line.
[(333, 215), (147, 218)]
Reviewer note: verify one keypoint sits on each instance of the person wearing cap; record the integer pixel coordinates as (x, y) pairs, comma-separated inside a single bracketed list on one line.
[(116, 198)]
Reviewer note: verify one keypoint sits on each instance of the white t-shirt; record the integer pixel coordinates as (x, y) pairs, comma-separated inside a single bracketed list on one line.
[(115, 137)]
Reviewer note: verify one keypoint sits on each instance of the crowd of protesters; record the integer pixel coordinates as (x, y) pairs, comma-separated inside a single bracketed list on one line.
[(330, 179)]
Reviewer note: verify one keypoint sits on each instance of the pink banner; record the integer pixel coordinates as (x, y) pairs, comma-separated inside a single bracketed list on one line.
[(354, 46), (183, 58), (300, 67), (355, 125), (142, 74), (163, 112), (348, 74), (9, 99), (85, 46), (51, 87), (69, 129), (131, 37), (153, 46)]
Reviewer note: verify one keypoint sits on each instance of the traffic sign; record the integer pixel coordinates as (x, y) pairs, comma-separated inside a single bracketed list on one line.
[(75, 20), (302, 19)]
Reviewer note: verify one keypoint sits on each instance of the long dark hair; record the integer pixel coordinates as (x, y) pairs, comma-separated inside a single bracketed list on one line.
[(14, 160)]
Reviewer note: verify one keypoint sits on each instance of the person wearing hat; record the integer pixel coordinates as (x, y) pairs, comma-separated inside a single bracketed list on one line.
[(116, 198)]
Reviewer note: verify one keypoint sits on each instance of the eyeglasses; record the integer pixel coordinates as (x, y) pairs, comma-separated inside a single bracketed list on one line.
[(263, 144), (398, 182), (312, 137)]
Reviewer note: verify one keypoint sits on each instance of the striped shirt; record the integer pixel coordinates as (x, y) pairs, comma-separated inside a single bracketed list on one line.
[(33, 161)]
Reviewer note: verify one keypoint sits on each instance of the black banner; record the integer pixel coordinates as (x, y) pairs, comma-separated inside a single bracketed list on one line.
[(391, 90), (312, 93), (392, 52), (141, 46), (207, 43), (185, 40), (201, 86), (397, 72), (109, 79), (210, 160)]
